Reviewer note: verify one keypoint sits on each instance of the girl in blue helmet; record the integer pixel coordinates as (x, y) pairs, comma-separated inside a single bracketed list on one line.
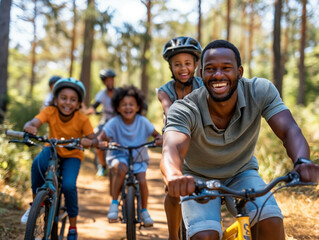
[(65, 121)]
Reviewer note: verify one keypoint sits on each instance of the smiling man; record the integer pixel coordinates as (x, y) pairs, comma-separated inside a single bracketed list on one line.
[(212, 134)]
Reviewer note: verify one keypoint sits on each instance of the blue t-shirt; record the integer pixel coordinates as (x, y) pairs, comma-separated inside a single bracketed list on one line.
[(129, 135)]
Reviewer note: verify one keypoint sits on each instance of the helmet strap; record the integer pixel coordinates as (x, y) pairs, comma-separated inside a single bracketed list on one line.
[(184, 84)]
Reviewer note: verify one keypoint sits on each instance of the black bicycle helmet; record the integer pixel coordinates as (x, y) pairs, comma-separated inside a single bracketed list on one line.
[(69, 83), (54, 79), (104, 73), (182, 45)]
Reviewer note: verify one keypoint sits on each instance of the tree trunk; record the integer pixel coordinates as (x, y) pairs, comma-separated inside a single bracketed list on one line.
[(215, 24), (73, 39), (199, 26), (277, 76), (228, 19), (146, 49), (33, 48), (250, 39), (85, 76), (242, 49), (301, 93), (5, 7), (284, 54)]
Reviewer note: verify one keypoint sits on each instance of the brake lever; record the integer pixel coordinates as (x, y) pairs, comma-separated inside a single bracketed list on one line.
[(27, 142)]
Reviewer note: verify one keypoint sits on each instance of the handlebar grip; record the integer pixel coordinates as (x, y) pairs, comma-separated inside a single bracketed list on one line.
[(17, 134)]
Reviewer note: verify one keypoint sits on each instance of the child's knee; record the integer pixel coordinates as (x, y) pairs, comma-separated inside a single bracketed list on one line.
[(121, 168)]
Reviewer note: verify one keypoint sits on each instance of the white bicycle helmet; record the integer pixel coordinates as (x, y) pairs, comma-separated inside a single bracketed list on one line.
[(70, 83)]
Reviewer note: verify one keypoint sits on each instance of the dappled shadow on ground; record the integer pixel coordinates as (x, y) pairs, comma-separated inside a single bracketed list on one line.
[(94, 201)]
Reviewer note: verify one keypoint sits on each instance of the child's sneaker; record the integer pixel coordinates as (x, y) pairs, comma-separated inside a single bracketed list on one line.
[(101, 171), (72, 235), (113, 213), (25, 216), (146, 219)]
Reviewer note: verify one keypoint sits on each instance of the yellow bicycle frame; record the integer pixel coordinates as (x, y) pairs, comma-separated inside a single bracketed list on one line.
[(239, 230)]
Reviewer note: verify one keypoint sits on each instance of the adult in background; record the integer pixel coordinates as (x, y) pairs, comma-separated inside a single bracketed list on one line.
[(212, 134)]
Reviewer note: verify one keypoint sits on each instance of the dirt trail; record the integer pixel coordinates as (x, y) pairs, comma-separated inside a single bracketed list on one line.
[(94, 201)]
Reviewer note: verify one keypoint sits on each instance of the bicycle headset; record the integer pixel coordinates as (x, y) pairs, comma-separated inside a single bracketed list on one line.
[(104, 73), (182, 45), (69, 83), (54, 79)]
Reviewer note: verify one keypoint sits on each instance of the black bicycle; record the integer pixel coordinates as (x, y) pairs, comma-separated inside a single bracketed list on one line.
[(130, 200), (48, 215), (240, 229)]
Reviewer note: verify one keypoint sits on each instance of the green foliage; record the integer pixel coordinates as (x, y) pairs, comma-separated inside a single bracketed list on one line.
[(15, 162), (21, 110), (271, 154)]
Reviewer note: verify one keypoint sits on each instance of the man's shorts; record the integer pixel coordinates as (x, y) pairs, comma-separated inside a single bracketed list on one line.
[(200, 217)]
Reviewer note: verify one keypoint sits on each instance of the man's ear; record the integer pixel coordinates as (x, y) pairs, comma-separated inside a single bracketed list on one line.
[(240, 72)]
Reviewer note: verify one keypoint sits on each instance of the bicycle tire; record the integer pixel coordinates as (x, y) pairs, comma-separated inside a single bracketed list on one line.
[(130, 213), (59, 224), (38, 219)]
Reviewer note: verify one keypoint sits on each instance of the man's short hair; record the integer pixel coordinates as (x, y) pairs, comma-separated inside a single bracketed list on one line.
[(222, 44)]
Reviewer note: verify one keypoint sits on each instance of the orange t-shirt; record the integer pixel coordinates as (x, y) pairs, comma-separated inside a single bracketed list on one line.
[(78, 127)]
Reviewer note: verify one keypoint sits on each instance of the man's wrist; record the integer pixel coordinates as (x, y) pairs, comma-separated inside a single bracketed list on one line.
[(301, 161)]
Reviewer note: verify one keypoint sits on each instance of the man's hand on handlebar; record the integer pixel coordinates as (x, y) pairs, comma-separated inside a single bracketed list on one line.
[(309, 172), (180, 185)]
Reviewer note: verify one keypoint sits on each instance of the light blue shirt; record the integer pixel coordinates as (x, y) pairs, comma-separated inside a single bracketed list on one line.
[(129, 135)]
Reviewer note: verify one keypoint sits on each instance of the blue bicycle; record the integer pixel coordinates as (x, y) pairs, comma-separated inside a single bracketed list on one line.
[(47, 218)]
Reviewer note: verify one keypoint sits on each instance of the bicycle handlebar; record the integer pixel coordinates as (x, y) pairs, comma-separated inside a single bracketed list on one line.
[(112, 146), (203, 189), (73, 142)]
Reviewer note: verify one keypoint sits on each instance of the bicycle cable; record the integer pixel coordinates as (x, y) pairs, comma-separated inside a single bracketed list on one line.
[(264, 204)]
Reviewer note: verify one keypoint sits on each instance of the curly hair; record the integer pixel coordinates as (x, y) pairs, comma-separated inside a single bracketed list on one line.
[(128, 91)]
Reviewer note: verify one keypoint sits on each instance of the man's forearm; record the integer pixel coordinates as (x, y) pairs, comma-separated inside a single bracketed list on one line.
[(296, 144)]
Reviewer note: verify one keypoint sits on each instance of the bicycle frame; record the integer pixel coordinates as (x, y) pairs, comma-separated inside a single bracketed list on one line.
[(239, 230), (53, 185), (130, 180)]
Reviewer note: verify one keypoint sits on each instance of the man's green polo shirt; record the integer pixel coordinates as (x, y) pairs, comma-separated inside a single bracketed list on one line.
[(222, 153)]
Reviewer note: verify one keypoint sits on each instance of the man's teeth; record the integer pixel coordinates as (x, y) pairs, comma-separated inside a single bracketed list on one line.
[(218, 85)]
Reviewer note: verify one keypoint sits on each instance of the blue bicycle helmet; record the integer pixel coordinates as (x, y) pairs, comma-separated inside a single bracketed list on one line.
[(69, 83), (182, 45)]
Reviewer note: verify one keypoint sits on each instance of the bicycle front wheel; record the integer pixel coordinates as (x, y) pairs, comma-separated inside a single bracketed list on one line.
[(59, 224), (130, 213), (38, 218)]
